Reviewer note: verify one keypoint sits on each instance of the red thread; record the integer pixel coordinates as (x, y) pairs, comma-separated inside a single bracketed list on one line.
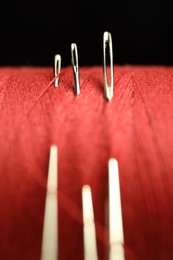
[(43, 92)]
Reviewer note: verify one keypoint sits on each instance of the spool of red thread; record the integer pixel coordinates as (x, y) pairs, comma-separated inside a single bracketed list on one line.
[(135, 127)]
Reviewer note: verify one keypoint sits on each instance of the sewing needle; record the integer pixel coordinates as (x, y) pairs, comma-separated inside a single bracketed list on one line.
[(75, 67), (107, 48), (57, 68)]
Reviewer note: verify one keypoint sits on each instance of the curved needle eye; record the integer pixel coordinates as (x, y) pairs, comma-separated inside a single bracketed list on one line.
[(107, 48), (57, 68), (75, 66)]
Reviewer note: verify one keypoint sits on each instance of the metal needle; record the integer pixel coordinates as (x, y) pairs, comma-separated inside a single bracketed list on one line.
[(75, 66), (107, 44)]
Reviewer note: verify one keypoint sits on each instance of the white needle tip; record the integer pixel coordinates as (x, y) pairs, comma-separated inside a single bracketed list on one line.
[(116, 236), (49, 248), (90, 246)]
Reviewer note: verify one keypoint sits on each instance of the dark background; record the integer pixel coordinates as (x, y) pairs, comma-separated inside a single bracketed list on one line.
[(33, 32)]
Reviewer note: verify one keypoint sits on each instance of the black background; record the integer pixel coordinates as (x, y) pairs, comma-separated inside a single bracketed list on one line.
[(33, 32)]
